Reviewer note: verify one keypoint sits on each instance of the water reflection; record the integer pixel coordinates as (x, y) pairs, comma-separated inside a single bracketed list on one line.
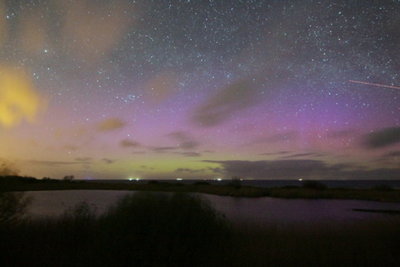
[(249, 210)]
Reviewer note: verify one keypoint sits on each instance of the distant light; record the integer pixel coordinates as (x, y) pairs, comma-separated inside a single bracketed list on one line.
[(179, 179), (300, 179), (219, 179), (130, 179), (134, 179)]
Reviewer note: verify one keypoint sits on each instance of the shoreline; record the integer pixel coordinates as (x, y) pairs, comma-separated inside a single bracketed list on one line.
[(233, 190)]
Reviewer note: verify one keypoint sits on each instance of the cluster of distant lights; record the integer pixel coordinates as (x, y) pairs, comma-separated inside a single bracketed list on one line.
[(137, 179), (134, 179), (218, 179)]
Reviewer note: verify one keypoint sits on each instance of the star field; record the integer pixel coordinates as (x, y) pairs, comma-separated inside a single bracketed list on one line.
[(200, 89)]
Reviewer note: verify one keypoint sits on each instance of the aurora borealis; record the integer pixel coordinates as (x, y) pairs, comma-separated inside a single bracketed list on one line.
[(200, 89)]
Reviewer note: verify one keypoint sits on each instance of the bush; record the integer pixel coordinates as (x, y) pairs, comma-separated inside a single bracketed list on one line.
[(12, 206), (161, 229)]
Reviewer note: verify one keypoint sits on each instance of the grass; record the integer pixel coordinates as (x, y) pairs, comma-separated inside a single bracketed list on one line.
[(150, 229)]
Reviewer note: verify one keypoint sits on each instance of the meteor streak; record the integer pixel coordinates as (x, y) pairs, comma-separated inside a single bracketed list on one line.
[(376, 84)]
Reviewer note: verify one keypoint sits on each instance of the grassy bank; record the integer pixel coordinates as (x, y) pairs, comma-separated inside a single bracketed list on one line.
[(307, 192), (181, 230)]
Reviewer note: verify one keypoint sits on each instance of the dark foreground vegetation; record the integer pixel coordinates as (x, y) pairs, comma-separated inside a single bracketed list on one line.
[(141, 230), (310, 189), (151, 229)]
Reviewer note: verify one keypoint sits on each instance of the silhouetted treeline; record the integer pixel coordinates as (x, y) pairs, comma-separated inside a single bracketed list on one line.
[(15, 182)]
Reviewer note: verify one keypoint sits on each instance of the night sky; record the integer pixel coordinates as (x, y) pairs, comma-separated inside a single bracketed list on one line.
[(200, 89)]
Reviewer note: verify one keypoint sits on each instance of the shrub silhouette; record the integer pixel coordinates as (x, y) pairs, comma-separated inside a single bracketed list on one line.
[(160, 229), (12, 206)]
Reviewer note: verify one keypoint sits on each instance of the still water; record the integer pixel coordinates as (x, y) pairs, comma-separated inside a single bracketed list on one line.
[(248, 210)]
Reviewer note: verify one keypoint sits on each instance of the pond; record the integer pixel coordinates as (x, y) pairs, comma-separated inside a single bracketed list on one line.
[(248, 210)]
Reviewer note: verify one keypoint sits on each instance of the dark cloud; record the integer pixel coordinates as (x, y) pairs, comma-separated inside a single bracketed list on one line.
[(7, 168), (189, 170), (110, 124), (274, 153), (189, 154), (340, 134), (382, 138), (85, 159), (310, 169), (217, 170), (108, 161), (184, 139), (392, 154), (57, 163), (277, 138), (300, 155), (188, 144), (179, 135), (163, 149), (392, 157), (227, 102), (129, 143), (278, 169), (375, 174)]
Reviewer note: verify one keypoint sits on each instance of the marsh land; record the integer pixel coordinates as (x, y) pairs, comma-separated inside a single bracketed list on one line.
[(180, 229)]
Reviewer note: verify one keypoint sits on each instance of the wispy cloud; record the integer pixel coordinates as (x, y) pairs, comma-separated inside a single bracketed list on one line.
[(188, 170), (226, 103), (279, 153), (184, 139), (84, 159), (7, 168), (302, 155), (107, 160), (189, 154), (163, 149), (340, 133), (110, 124), (58, 163), (129, 143), (382, 138)]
